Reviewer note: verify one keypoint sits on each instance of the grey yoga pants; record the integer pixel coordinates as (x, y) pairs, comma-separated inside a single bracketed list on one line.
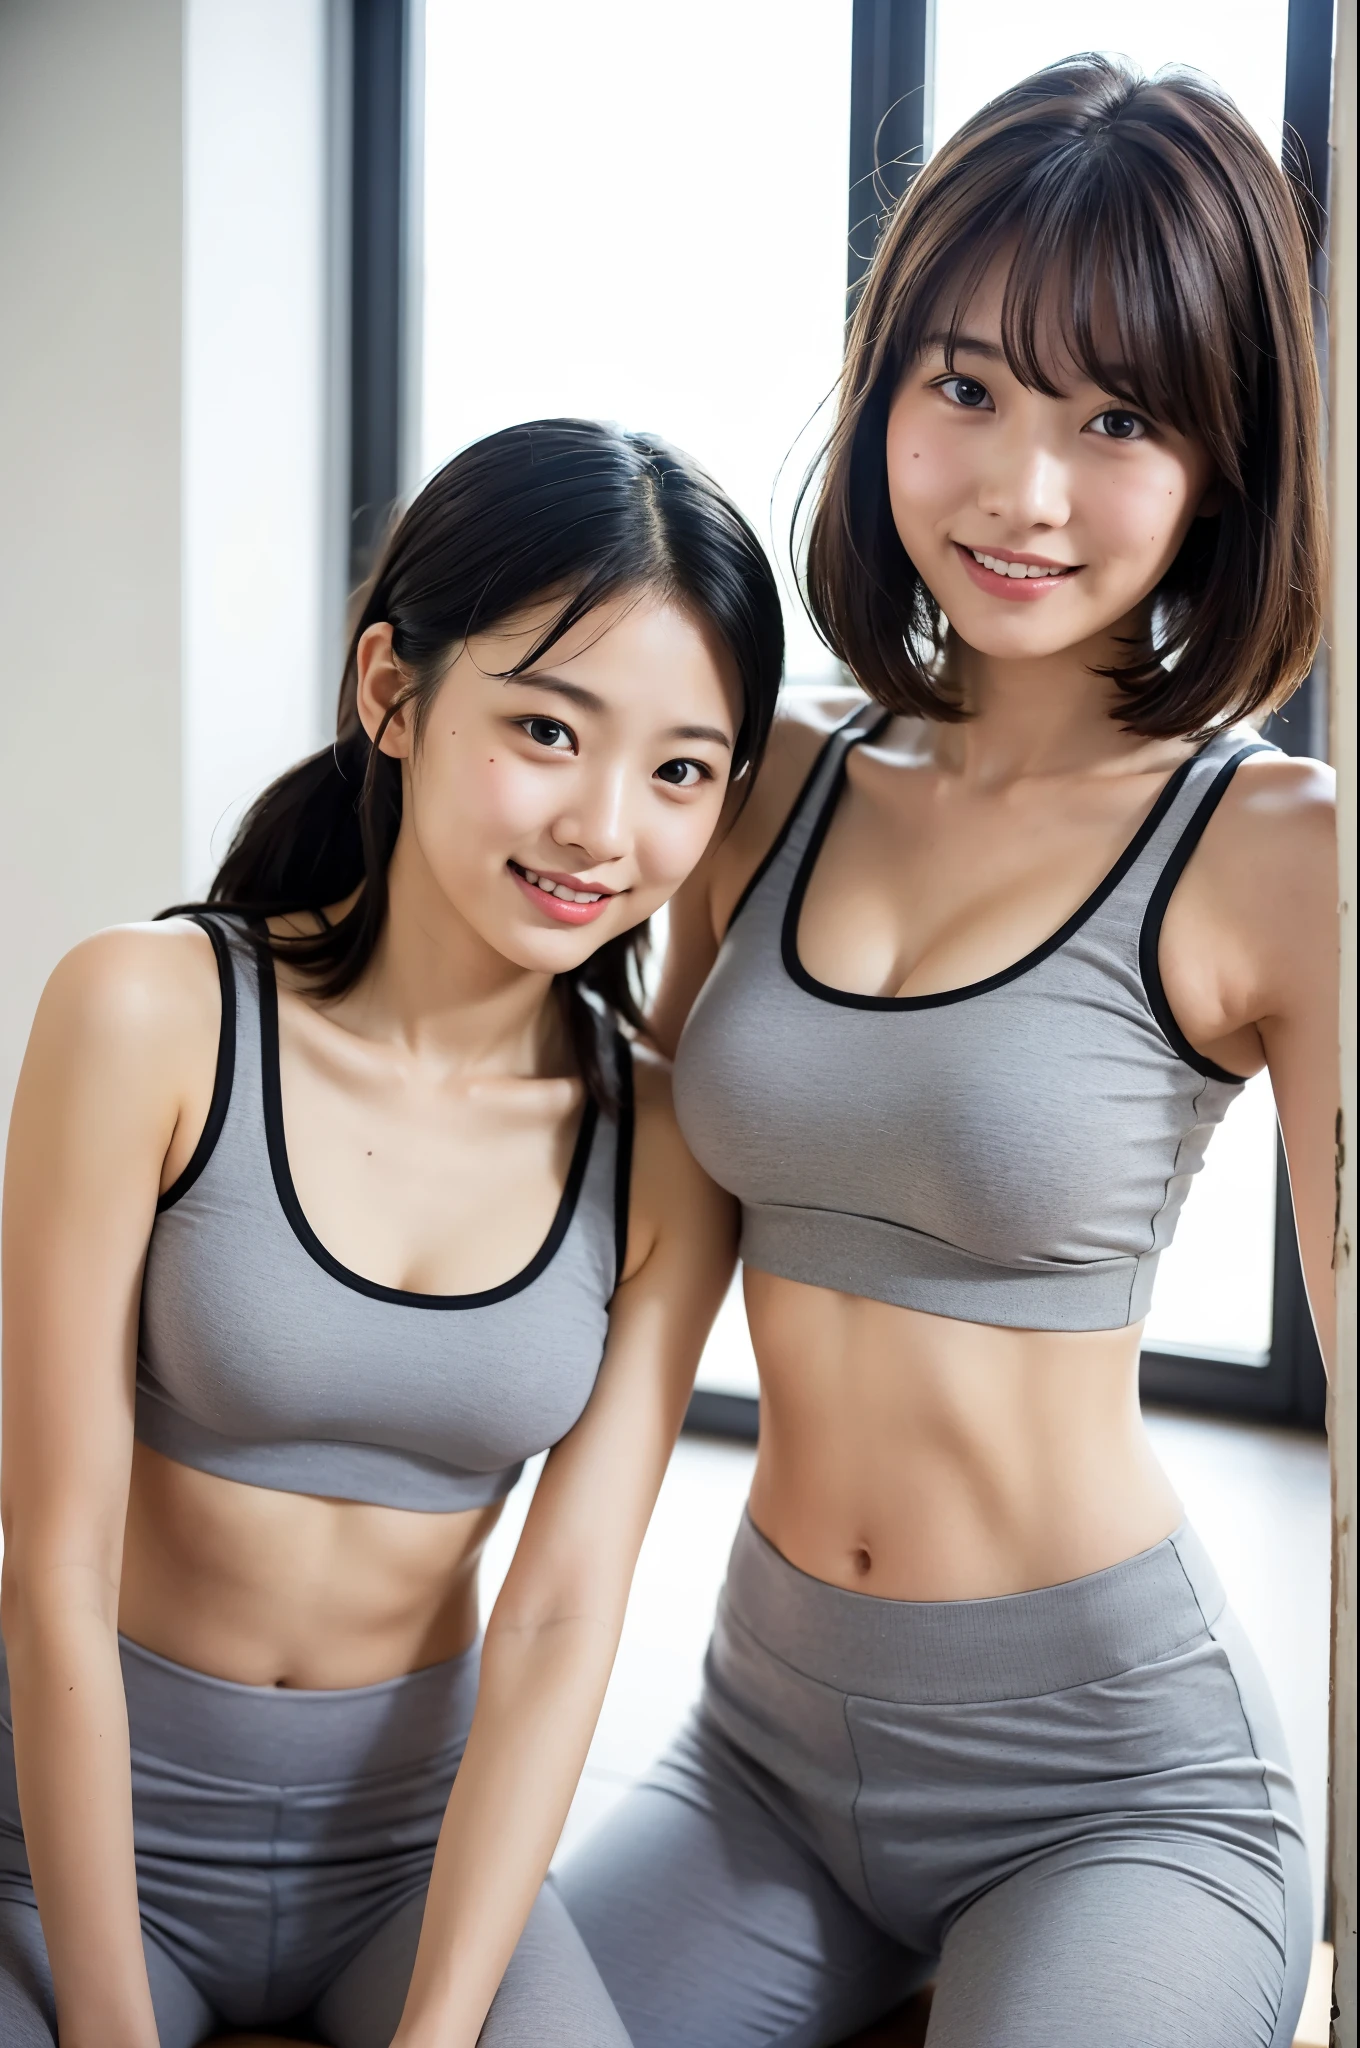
[(284, 1842), (1072, 1807)]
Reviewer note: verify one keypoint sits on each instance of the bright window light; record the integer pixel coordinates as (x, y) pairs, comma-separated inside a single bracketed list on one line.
[(639, 213), (985, 46)]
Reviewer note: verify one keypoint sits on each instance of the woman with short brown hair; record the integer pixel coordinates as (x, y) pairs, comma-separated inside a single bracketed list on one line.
[(964, 994)]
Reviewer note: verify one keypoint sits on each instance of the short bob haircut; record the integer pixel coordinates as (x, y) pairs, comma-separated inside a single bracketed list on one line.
[(1143, 216)]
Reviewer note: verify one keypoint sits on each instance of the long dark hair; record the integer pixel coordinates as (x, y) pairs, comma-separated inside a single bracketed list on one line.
[(567, 509), (1154, 202)]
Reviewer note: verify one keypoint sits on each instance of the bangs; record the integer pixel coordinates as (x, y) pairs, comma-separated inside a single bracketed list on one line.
[(1107, 274)]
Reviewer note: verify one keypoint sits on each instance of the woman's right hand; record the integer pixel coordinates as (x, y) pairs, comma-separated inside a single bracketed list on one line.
[(104, 1110)]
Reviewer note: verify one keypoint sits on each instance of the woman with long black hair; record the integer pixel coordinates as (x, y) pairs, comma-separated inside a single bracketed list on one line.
[(328, 1203)]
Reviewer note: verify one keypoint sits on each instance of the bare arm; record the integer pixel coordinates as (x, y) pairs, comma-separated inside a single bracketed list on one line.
[(552, 1637), (1251, 964), (1300, 1031), (94, 1117)]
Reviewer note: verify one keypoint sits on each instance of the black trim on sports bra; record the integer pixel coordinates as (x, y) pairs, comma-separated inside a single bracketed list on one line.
[(1149, 938), (271, 1090), (623, 1152), (851, 1000), (223, 1073), (795, 809)]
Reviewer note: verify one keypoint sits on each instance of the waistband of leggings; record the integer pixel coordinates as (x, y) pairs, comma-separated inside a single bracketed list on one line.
[(281, 1735), (936, 1652)]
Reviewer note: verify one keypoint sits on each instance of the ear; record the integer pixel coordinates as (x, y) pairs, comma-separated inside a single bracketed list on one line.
[(381, 681)]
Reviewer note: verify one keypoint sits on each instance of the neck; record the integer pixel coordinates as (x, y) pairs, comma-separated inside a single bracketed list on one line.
[(1049, 715), (434, 986)]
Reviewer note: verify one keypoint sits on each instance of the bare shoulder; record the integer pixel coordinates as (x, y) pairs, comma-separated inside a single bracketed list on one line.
[(806, 720), (138, 992), (1275, 790), (121, 1056), (1251, 929), (141, 975), (1274, 834)]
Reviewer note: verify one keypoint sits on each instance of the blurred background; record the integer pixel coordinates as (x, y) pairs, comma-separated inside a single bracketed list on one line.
[(268, 263)]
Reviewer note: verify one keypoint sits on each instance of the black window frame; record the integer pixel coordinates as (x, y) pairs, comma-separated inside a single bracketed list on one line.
[(890, 88), (385, 65)]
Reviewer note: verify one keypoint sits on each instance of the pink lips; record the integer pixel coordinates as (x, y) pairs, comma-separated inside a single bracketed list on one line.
[(557, 907), (1014, 589)]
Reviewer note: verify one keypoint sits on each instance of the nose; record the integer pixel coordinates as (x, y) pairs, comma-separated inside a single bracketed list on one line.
[(595, 823), (1026, 485)]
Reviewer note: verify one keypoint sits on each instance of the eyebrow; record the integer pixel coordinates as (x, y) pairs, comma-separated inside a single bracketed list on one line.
[(965, 344), (588, 701)]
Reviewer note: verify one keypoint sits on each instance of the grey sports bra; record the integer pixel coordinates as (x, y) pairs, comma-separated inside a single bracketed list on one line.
[(1014, 1152), (261, 1358)]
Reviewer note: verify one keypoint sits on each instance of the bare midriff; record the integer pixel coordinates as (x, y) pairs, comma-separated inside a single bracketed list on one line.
[(282, 1589), (914, 1457)]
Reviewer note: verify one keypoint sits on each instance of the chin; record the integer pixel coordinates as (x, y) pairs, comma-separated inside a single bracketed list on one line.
[(549, 952), (989, 638)]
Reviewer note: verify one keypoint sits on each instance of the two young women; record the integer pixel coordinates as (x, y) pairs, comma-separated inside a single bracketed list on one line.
[(969, 983)]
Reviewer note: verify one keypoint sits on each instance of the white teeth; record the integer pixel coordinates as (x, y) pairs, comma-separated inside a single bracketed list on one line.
[(1000, 568), (560, 889)]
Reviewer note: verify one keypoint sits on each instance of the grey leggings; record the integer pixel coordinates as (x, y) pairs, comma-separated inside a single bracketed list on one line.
[(284, 1842), (1072, 1806)]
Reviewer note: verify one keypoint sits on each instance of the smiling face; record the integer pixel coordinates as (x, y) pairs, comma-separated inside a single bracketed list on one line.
[(550, 811), (1038, 524)]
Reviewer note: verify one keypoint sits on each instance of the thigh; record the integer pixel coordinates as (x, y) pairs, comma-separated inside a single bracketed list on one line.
[(1157, 1949), (551, 1990), (361, 2007), (714, 1927), (28, 2016)]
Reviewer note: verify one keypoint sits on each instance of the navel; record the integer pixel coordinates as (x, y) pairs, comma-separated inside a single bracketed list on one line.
[(862, 1561)]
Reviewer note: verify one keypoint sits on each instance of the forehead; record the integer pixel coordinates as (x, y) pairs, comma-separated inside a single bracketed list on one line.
[(1031, 323), (643, 648)]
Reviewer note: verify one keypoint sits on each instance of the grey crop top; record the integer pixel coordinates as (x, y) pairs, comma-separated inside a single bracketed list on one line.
[(1014, 1152), (261, 1358)]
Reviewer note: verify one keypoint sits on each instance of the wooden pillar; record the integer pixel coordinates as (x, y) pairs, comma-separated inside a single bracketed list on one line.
[(1342, 1417)]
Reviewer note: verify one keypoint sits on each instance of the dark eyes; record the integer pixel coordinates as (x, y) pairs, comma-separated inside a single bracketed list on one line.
[(683, 774), (1114, 425), (557, 738), (550, 732), (1120, 426), (965, 391)]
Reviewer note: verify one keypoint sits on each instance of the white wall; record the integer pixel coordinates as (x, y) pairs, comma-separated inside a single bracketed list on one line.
[(90, 241), (258, 654), (169, 594)]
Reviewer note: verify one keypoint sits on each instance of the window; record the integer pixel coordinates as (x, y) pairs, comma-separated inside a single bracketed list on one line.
[(638, 213), (982, 48)]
